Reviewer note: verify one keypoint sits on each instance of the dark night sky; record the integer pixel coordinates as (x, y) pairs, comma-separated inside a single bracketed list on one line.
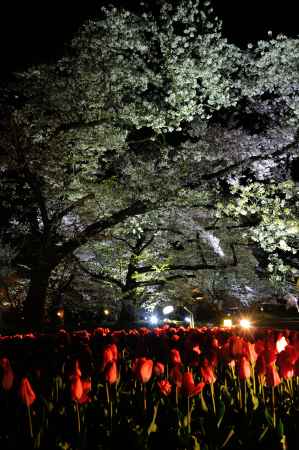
[(34, 31)]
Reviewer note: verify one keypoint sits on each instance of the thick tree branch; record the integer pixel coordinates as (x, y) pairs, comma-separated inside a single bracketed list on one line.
[(246, 162), (60, 214), (30, 178), (108, 222), (194, 267), (200, 250)]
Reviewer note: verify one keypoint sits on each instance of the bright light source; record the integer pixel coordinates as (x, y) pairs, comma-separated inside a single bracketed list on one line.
[(281, 344), (168, 309), (187, 319), (227, 323), (106, 312), (154, 320), (60, 313), (245, 323)]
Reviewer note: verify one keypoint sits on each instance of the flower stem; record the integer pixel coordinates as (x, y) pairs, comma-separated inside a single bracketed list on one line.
[(111, 415), (144, 398), (30, 421), (188, 415), (213, 396), (253, 379), (273, 404), (107, 393), (78, 418), (245, 397)]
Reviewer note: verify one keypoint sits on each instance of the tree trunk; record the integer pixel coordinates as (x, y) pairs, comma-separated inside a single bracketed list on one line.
[(128, 312), (34, 307)]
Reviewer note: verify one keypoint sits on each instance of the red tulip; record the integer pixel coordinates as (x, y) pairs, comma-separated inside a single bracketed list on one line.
[(292, 353), (225, 352), (76, 388), (198, 388), (26, 392), (175, 337), (272, 377), (188, 382), (260, 366), (244, 369), (270, 356), (164, 387), (8, 375), (86, 386), (108, 355), (213, 358), (197, 350), (111, 373), (251, 352), (189, 386), (77, 369), (296, 368), (207, 373), (236, 346), (114, 351), (144, 369), (175, 357), (259, 346), (232, 364), (215, 343), (286, 361), (159, 369), (176, 376)]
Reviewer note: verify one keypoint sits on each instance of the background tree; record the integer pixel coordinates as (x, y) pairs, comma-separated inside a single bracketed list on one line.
[(146, 255), (134, 116)]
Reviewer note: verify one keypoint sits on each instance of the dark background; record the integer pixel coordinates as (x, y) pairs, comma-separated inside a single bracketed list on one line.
[(35, 31)]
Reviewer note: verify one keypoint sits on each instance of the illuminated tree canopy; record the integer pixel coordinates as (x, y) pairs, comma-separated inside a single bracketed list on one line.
[(146, 117)]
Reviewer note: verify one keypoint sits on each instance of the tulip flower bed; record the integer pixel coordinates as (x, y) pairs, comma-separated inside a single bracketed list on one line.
[(201, 389)]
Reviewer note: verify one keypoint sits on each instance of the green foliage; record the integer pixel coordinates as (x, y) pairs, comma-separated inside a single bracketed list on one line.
[(70, 144), (275, 208)]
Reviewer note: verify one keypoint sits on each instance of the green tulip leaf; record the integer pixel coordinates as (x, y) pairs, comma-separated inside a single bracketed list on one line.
[(263, 434), (196, 445), (228, 437), (221, 409), (203, 403)]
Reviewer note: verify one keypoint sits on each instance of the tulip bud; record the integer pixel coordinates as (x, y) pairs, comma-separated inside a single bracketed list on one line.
[(159, 369), (111, 373), (8, 375), (144, 370), (26, 392), (176, 376), (208, 374), (244, 369), (272, 377), (108, 355), (76, 388), (175, 357), (188, 382)]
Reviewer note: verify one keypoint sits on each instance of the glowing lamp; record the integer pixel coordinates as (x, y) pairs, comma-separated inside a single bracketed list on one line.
[(245, 323), (154, 320), (106, 312), (168, 310), (227, 323), (60, 313)]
